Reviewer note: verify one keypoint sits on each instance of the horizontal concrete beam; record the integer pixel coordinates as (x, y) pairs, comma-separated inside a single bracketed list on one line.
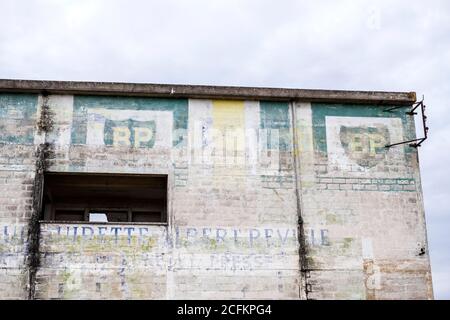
[(206, 92)]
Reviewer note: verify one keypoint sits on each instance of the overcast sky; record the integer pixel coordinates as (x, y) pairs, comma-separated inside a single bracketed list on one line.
[(356, 45)]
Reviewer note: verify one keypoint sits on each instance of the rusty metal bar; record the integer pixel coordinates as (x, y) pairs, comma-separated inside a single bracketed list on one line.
[(425, 128)]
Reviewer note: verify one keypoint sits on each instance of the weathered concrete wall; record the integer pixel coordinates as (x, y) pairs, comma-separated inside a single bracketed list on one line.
[(361, 203), (234, 200), (18, 116)]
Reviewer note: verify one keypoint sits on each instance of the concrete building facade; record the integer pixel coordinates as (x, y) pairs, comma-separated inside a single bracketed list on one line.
[(255, 193)]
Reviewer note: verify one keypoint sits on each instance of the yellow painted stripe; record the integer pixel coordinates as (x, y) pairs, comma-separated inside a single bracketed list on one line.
[(229, 129)]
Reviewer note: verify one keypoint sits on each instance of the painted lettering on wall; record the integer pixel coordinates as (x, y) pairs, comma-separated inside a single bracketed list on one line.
[(317, 237), (361, 141), (365, 145), (138, 134), (130, 121), (212, 238), (13, 234)]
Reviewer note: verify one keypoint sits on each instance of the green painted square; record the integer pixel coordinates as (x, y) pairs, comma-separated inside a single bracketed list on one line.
[(321, 110), (179, 108), (18, 117), (275, 116)]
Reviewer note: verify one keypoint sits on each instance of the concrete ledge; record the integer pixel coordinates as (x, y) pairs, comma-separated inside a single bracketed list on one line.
[(207, 92)]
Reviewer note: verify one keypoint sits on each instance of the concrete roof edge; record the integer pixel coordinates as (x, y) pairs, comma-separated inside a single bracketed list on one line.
[(206, 91)]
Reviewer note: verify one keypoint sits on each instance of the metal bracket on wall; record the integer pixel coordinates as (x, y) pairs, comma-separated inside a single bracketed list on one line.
[(415, 142)]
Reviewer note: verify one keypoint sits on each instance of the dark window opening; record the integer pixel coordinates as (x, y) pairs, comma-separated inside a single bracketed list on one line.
[(104, 198)]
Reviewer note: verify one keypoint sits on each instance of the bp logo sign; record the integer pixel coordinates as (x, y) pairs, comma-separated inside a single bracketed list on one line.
[(129, 128), (365, 145), (138, 134)]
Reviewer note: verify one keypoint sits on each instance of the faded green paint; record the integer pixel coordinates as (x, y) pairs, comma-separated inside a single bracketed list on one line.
[(82, 104), (104, 243), (331, 218), (321, 110), (275, 116), (149, 245), (65, 275), (365, 145), (131, 126), (17, 117), (381, 184), (134, 281), (347, 243)]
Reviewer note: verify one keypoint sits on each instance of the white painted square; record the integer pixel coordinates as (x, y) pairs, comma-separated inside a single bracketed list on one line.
[(336, 152)]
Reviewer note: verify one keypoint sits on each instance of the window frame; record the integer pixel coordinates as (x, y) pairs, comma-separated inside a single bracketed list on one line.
[(49, 216)]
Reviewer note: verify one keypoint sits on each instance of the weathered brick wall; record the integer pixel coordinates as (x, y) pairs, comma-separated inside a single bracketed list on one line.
[(238, 197), (233, 207), (361, 204), (232, 225), (17, 167)]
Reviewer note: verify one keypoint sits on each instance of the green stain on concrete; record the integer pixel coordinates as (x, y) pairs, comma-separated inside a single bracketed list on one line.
[(17, 117), (331, 218), (310, 262), (106, 243), (275, 116), (135, 280), (149, 245), (212, 244), (179, 108), (347, 243), (65, 275)]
